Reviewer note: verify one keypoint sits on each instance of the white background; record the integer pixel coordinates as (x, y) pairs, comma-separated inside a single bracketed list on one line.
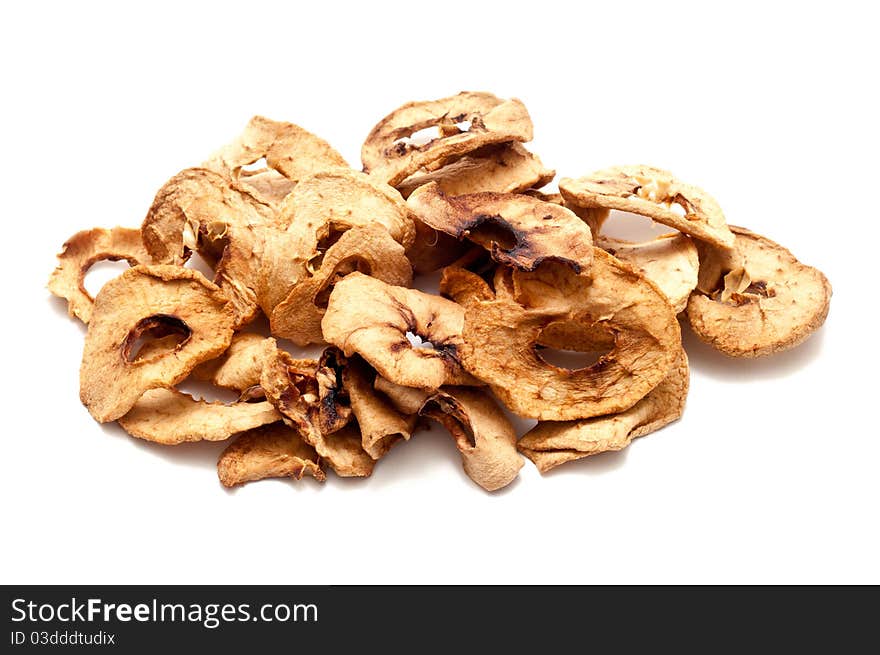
[(772, 474)]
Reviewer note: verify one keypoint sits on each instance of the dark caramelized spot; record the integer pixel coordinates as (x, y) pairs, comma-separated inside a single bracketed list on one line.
[(451, 416), (760, 289), (152, 328), (487, 230)]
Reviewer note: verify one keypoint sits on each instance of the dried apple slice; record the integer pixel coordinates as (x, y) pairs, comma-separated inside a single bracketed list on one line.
[(766, 301), (368, 249), (651, 192), (171, 417), (270, 451), (389, 154), (371, 318), (144, 299), (381, 425), (267, 186), (519, 231), (292, 386), (504, 168), (407, 400), (500, 338), (195, 204), (332, 201), (669, 261), (552, 443), (84, 249), (432, 249), (240, 366), (286, 147), (483, 434)]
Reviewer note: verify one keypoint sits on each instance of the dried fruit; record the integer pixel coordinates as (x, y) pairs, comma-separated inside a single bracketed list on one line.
[(545, 196), (292, 386), (650, 192), (669, 261), (381, 425), (767, 300), (149, 301), (287, 148), (464, 286), (334, 403), (170, 417), (551, 443), (465, 122), (500, 337), (368, 317), (84, 249), (240, 366), (369, 250), (326, 204), (327, 254), (199, 210), (407, 400), (270, 451), (519, 231), (266, 186), (482, 433), (505, 168), (194, 206)]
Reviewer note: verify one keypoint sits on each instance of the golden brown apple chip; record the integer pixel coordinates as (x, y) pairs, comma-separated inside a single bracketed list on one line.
[(381, 425), (326, 204), (465, 122), (407, 400), (171, 417), (292, 386), (194, 205), (650, 192), (504, 168), (500, 338), (669, 261), (270, 451), (287, 149), (368, 249), (371, 318), (80, 252), (199, 210), (149, 301), (766, 302), (240, 366), (519, 231), (482, 433), (552, 443)]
